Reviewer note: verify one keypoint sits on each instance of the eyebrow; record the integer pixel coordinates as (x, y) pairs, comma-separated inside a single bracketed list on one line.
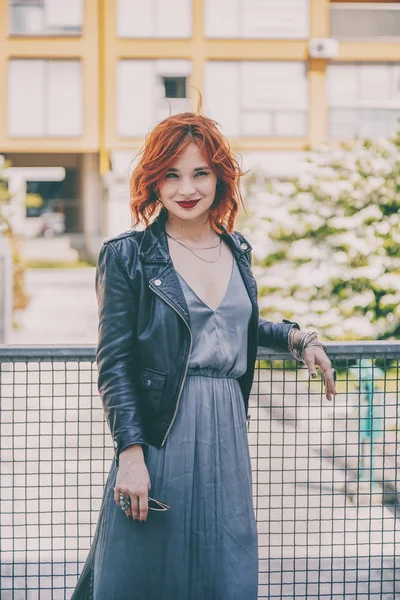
[(196, 169)]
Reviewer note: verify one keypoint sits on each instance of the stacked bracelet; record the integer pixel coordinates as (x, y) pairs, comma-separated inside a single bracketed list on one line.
[(308, 339)]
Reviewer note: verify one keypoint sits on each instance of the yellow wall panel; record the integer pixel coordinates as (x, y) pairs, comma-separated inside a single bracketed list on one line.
[(319, 18), (196, 80), (369, 51), (256, 50), (318, 110), (318, 115)]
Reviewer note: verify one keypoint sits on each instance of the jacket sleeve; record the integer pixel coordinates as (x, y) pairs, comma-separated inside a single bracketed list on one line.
[(117, 305), (275, 335)]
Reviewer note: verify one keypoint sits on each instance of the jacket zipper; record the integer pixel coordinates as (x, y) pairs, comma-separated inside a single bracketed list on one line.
[(186, 368)]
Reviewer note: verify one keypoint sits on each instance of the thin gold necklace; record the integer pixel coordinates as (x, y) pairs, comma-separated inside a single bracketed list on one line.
[(206, 248)]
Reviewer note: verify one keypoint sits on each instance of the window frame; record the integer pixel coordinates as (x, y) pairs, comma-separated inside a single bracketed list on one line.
[(40, 4)]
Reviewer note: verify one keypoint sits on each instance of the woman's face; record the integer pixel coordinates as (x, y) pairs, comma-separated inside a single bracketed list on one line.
[(188, 188)]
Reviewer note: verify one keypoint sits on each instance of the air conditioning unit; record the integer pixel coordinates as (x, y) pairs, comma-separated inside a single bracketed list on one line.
[(323, 48)]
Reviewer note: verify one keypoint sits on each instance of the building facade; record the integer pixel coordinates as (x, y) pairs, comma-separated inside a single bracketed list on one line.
[(83, 81)]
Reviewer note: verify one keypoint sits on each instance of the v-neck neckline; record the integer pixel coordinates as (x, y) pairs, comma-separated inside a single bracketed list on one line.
[(226, 292)]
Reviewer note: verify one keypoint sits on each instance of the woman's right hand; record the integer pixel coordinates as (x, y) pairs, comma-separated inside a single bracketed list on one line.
[(133, 480)]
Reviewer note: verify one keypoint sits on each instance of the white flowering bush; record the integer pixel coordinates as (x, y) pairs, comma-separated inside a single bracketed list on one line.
[(326, 246)]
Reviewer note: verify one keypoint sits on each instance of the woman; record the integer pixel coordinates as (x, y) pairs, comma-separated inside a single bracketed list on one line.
[(178, 336)]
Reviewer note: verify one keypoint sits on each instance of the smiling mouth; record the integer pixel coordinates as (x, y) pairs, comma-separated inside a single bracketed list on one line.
[(188, 203)]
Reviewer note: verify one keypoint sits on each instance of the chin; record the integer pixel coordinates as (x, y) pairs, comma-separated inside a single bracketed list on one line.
[(184, 213)]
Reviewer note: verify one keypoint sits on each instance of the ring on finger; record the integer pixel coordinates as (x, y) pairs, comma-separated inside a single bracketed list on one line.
[(124, 501)]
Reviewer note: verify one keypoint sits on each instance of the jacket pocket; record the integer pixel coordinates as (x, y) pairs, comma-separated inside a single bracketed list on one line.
[(152, 383)]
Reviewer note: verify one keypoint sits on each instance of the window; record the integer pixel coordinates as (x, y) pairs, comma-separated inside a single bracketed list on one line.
[(364, 100), (365, 20), (44, 98), (46, 17), (265, 98), (175, 87), (158, 18), (268, 19), (148, 91)]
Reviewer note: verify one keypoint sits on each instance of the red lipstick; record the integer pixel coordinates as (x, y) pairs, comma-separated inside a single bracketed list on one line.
[(189, 204)]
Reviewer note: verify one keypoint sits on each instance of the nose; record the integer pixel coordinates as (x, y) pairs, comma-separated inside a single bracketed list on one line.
[(186, 187)]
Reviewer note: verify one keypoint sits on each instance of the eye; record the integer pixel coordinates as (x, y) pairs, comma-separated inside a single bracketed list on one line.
[(202, 173), (168, 175)]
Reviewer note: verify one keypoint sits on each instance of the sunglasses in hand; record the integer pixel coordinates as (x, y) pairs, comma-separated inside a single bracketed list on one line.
[(153, 504), (157, 505)]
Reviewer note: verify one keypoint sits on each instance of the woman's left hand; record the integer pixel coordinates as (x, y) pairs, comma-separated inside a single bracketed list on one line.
[(314, 356)]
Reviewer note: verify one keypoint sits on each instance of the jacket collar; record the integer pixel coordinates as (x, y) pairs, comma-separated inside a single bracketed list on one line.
[(154, 245)]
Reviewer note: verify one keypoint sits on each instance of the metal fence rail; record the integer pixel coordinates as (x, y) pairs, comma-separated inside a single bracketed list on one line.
[(325, 475)]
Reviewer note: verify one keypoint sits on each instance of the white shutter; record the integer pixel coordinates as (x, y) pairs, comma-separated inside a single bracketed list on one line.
[(274, 85), (174, 18), (343, 124), (173, 67), (222, 95), (279, 19), (62, 13), (287, 19), (256, 124), (135, 18), (394, 120), (290, 124), (395, 84), (136, 97), (171, 106), (65, 102), (374, 83), (367, 85), (374, 123), (26, 98), (364, 100), (222, 18), (28, 20), (342, 85)]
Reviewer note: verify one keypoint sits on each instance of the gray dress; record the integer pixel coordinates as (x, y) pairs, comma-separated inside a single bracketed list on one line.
[(205, 546)]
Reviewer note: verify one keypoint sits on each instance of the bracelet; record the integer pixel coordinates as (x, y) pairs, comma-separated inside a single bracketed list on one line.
[(308, 339)]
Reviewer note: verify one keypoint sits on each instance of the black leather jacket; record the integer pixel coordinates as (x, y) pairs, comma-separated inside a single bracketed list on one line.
[(145, 340)]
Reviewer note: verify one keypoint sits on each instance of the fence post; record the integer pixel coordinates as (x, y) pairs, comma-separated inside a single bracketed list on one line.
[(370, 420), (6, 294)]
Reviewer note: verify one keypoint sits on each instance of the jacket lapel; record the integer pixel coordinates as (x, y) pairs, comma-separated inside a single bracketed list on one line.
[(163, 279), (240, 250)]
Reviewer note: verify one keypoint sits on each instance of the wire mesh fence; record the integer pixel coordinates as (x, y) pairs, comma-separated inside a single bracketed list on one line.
[(325, 475)]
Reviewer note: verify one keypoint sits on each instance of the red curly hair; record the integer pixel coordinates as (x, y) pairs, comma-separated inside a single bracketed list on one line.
[(162, 147)]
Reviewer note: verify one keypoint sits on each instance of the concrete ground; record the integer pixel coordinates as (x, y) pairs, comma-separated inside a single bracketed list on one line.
[(62, 308)]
